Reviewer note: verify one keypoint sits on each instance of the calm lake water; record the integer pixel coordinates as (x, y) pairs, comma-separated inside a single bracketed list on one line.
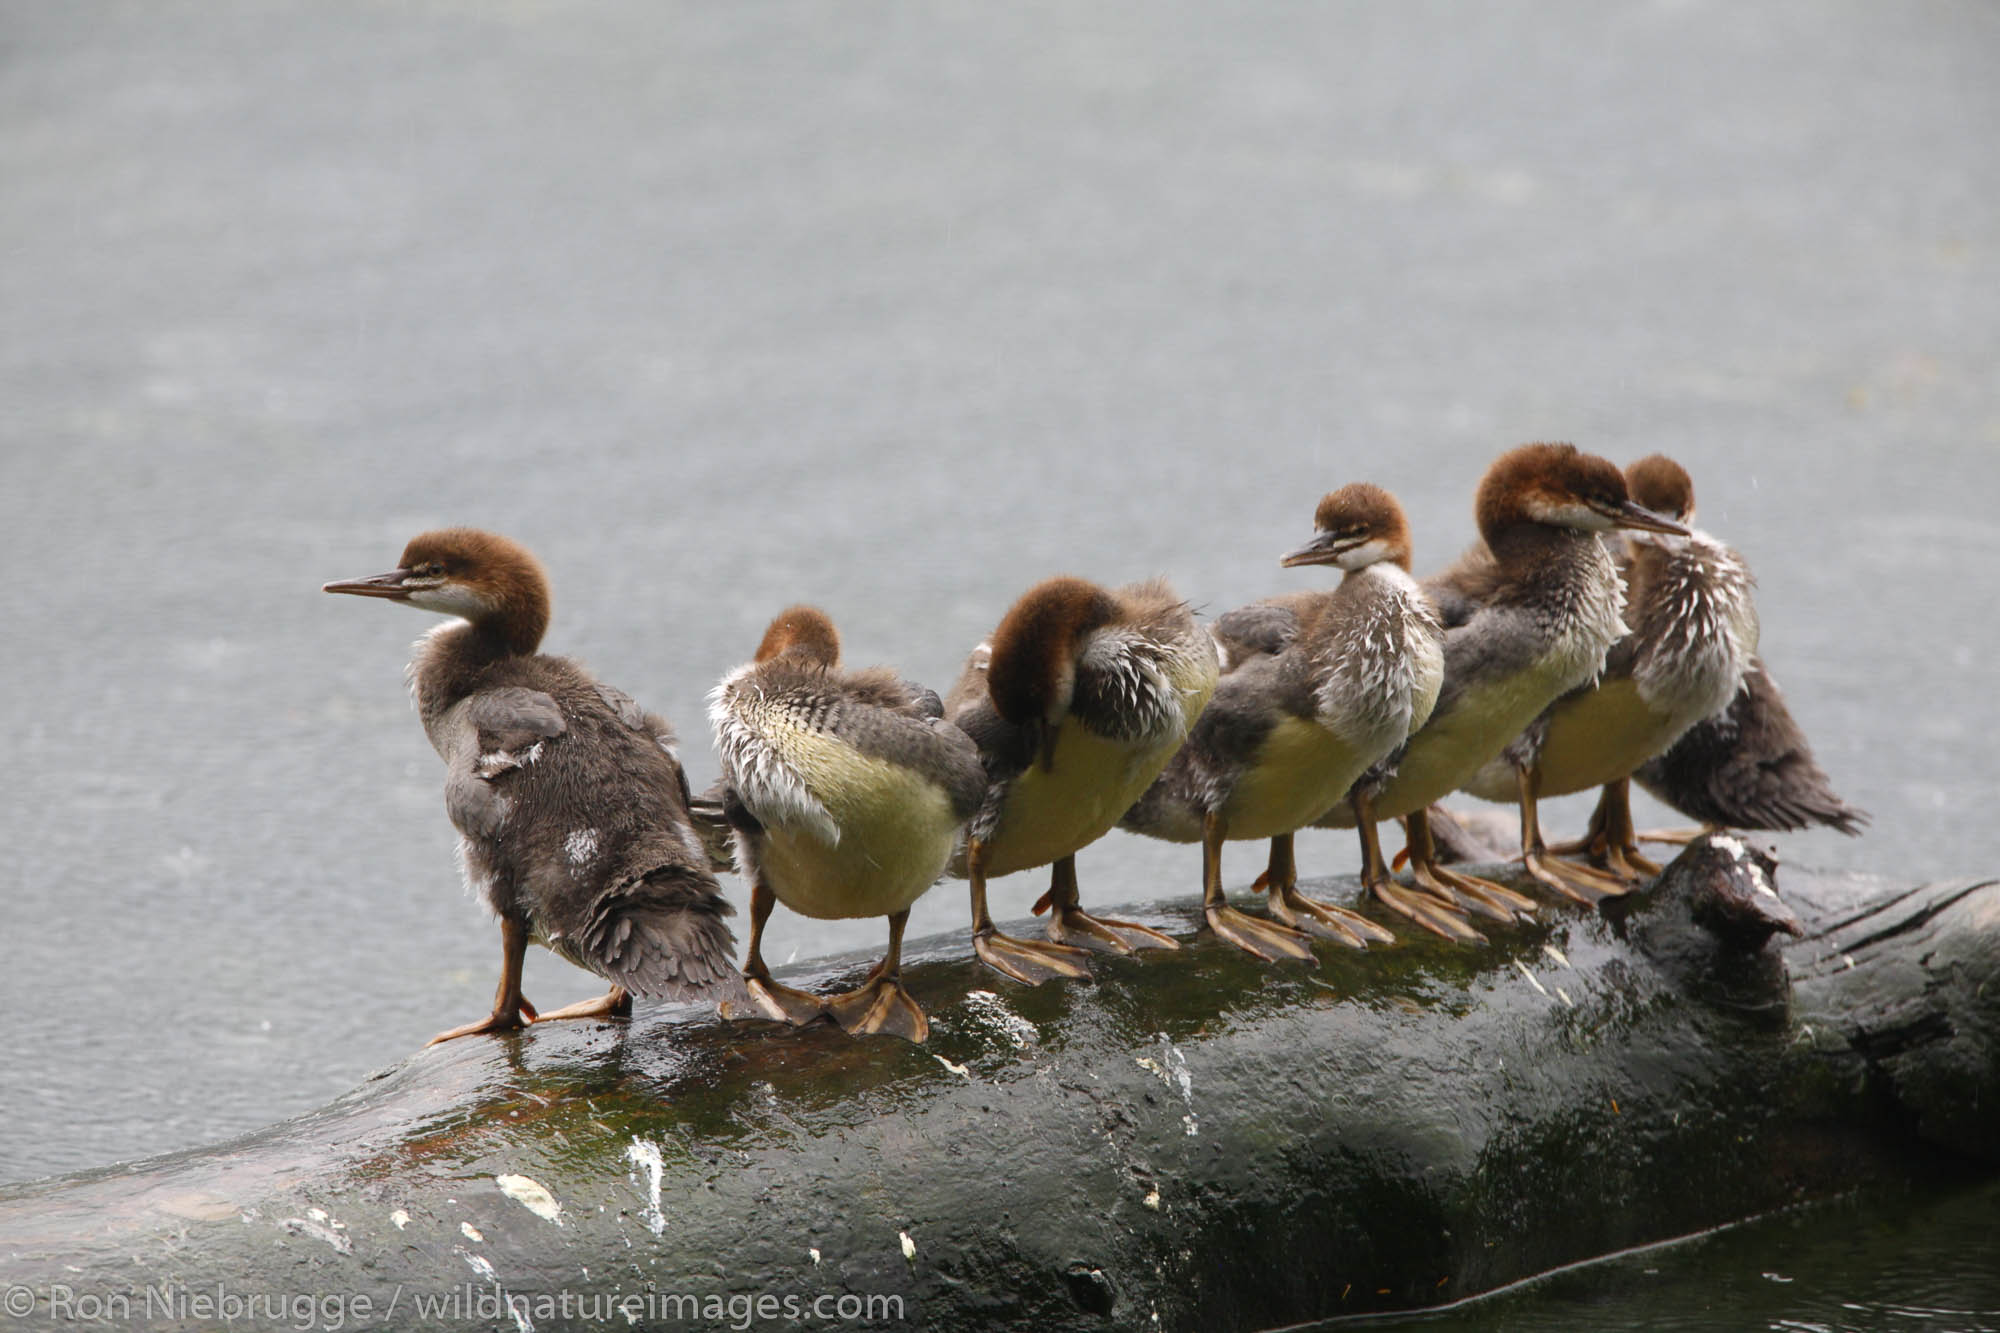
[(895, 308)]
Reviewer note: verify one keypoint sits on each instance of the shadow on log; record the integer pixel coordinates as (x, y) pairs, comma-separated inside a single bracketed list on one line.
[(1196, 1140)]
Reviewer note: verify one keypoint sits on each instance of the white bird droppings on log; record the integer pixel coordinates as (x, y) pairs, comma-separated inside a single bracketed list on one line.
[(532, 1195)]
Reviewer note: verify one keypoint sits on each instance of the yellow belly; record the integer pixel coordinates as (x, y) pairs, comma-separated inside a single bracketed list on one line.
[(1450, 749), (896, 833), (1600, 737), (1051, 813), (1300, 772)]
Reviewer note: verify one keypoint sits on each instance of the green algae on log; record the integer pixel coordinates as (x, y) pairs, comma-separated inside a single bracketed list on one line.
[(1194, 1140)]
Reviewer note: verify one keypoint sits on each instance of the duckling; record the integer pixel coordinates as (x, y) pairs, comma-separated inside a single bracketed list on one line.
[(1528, 616), (1694, 630), (847, 792), (1077, 701), (1318, 687), (569, 800), (1747, 767)]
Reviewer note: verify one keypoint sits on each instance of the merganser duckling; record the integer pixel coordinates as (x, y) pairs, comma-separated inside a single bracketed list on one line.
[(1694, 630), (1528, 616), (1748, 767), (1317, 687), (1076, 702), (847, 792), (570, 803)]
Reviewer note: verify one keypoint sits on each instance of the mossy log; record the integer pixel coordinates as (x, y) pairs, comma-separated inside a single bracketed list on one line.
[(1195, 1140)]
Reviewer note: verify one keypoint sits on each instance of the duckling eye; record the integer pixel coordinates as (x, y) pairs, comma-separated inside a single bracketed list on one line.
[(431, 569)]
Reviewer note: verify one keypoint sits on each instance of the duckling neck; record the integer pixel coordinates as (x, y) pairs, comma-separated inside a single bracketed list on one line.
[(450, 661), (1646, 567), (1538, 557)]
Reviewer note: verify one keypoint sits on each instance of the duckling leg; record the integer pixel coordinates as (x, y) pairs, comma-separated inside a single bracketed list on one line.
[(1611, 838), (1621, 851), (615, 1003), (1281, 881), (1468, 892), (1426, 910), (1266, 939), (508, 1006), (1024, 960), (1592, 843), (1071, 924), (780, 1002), (880, 1004), (1577, 883)]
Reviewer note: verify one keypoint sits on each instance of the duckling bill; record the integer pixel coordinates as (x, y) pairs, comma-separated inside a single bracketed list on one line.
[(847, 793), (569, 800)]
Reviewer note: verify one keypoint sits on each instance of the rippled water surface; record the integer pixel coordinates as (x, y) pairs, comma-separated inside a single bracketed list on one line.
[(896, 309)]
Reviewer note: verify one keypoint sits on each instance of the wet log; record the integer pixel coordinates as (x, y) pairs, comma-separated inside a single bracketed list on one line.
[(1194, 1140)]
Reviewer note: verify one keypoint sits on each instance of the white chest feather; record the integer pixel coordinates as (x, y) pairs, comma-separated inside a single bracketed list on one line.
[(1696, 661), (1380, 673)]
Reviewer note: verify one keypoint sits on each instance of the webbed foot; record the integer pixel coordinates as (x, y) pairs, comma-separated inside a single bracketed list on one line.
[(1438, 917), (880, 1004), (1028, 961), (1481, 897), (1326, 920), (615, 1003), (1579, 884), (500, 1020), (1267, 940), (783, 1003), (1074, 926), (1627, 864)]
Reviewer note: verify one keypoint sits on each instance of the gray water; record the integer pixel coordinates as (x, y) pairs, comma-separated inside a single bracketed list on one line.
[(895, 308)]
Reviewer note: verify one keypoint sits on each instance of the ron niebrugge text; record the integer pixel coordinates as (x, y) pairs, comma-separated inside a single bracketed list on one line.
[(331, 1312)]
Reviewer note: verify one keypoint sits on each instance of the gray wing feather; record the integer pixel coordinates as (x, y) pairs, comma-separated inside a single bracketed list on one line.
[(1262, 629), (497, 731)]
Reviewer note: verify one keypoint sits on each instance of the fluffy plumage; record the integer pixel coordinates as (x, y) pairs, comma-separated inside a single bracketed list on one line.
[(1108, 682), (1076, 702), (847, 792), (570, 803)]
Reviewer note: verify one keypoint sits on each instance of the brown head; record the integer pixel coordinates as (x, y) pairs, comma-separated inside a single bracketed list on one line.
[(1558, 486), (1032, 672), (804, 633), (494, 582), (1354, 527), (1661, 485)]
